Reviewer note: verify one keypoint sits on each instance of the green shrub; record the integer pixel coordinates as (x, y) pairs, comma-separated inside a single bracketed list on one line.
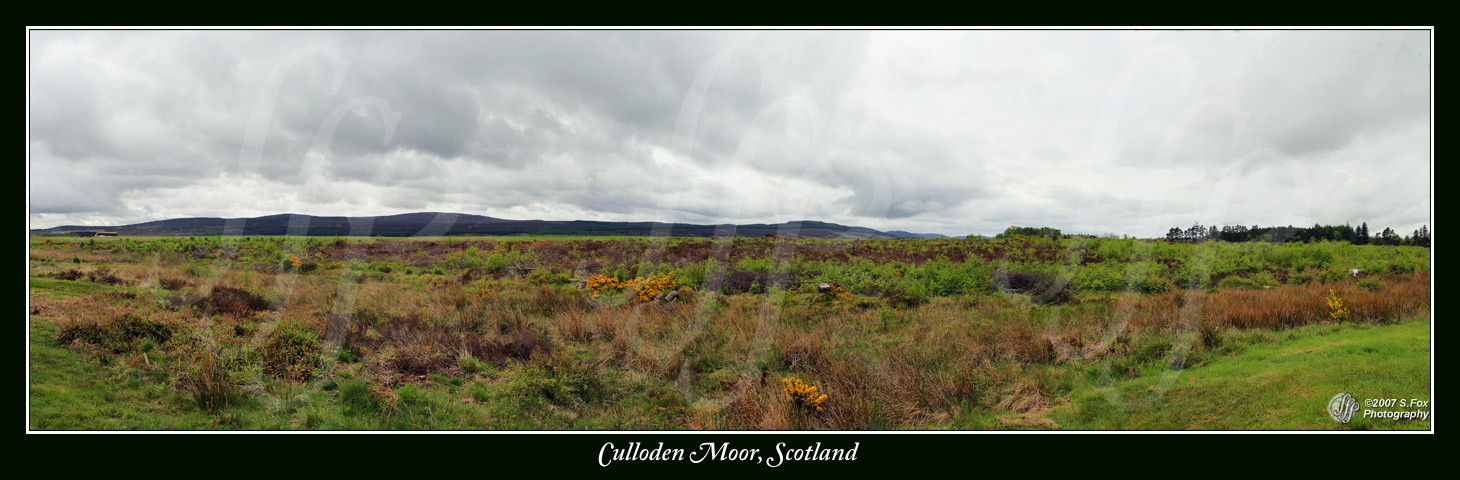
[(496, 263), (755, 265), (693, 275), (1303, 278), (1098, 278), (409, 395), (291, 351), (471, 365), (544, 276), (1264, 279), (1371, 284), (553, 380), (1334, 275), (1157, 285), (197, 270), (1116, 250), (1236, 282), (385, 267), (945, 278), (907, 293), (479, 393)]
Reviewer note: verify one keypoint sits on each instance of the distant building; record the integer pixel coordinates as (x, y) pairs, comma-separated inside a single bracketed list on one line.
[(86, 234), (106, 234)]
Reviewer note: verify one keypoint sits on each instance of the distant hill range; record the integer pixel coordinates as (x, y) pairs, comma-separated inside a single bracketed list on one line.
[(430, 223)]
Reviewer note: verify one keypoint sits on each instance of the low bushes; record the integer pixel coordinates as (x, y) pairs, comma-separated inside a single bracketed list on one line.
[(291, 351), (122, 333)]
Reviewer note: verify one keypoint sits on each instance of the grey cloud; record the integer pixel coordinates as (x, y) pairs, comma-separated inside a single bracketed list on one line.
[(897, 130)]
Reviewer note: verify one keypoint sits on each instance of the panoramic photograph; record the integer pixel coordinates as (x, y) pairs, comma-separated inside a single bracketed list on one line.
[(729, 230)]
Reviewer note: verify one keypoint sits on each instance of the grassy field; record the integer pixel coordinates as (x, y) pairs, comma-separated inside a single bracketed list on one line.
[(636, 333), (1278, 381)]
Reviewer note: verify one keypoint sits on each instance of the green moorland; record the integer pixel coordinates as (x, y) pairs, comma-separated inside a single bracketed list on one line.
[(267, 333)]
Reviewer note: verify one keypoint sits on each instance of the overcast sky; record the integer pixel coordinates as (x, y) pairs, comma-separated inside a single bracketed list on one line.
[(940, 132)]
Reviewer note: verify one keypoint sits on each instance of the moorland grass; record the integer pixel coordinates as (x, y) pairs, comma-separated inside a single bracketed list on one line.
[(437, 334)]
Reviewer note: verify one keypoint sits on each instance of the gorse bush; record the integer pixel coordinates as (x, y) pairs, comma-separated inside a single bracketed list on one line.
[(600, 284), (1336, 309), (650, 288), (803, 396), (488, 290), (644, 288)]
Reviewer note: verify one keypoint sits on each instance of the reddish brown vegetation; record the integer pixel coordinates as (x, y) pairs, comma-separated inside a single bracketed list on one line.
[(224, 301)]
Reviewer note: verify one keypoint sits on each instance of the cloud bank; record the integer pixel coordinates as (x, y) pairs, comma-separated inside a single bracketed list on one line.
[(946, 132)]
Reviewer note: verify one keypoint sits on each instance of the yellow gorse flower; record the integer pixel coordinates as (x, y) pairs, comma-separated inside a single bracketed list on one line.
[(645, 288), (804, 396), (1335, 307), (597, 284), (487, 290)]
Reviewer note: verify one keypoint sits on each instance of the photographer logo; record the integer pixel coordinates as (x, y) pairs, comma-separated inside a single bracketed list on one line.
[(1341, 407)]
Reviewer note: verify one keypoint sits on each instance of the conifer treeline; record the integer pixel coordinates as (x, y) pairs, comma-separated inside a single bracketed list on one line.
[(1242, 233)]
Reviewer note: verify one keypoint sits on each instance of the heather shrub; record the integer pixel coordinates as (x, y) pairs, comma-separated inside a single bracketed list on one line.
[(121, 333), (291, 351)]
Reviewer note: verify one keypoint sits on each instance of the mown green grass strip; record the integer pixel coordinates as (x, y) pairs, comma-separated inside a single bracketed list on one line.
[(57, 288), (69, 391), (1283, 386)]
